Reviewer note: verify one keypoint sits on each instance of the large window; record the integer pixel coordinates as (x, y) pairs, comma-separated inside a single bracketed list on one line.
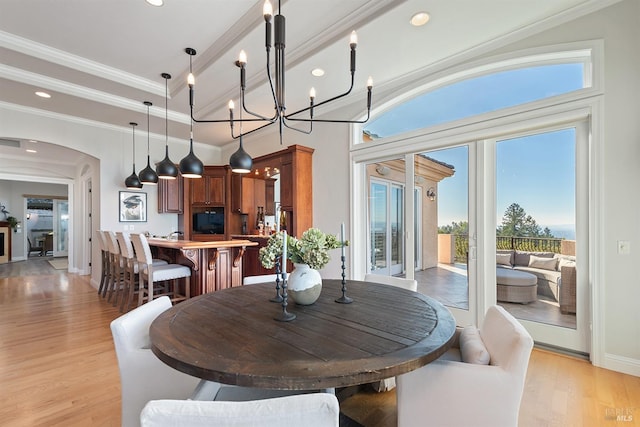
[(480, 95), (494, 139)]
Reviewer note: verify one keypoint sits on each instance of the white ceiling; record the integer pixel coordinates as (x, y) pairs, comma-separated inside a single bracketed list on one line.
[(101, 59)]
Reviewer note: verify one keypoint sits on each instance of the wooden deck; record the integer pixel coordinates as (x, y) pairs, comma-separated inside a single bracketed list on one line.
[(448, 284)]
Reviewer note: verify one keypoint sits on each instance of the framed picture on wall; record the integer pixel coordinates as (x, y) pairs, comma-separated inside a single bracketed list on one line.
[(133, 206)]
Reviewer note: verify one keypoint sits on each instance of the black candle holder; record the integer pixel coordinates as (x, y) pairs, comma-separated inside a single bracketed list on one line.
[(278, 297), (285, 316), (344, 299)]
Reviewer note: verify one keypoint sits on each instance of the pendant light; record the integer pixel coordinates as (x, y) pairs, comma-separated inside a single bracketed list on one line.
[(166, 168), (133, 182), (148, 175), (240, 161), (191, 166)]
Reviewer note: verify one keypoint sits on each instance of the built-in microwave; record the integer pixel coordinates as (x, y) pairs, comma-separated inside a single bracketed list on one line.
[(210, 221)]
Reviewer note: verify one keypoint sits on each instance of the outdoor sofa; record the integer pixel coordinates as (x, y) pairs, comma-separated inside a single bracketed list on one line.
[(556, 273)]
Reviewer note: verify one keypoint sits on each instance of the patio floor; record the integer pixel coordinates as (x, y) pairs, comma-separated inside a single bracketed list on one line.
[(448, 284)]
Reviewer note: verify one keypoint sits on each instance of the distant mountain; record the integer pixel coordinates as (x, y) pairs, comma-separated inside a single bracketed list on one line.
[(562, 231)]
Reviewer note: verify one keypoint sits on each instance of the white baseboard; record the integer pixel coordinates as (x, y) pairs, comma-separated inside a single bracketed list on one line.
[(94, 284), (626, 365)]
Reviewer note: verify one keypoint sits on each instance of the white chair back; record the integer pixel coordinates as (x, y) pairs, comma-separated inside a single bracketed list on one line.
[(308, 410), (126, 247), (112, 242), (398, 282), (143, 376), (101, 241), (142, 248)]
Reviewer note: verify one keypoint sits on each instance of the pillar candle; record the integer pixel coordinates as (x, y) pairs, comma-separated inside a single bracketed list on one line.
[(284, 250), (342, 237)]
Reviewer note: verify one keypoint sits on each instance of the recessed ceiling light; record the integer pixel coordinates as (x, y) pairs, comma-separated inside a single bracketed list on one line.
[(419, 19), (33, 140), (43, 94), (318, 72), (31, 150), (155, 2)]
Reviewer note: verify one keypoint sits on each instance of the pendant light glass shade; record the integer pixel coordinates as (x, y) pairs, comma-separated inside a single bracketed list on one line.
[(148, 175), (166, 168), (133, 182), (241, 161)]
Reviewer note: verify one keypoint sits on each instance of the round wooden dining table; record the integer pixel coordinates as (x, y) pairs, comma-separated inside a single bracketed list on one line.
[(231, 336)]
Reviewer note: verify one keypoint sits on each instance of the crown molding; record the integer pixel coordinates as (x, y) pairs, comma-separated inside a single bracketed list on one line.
[(27, 77), (65, 59)]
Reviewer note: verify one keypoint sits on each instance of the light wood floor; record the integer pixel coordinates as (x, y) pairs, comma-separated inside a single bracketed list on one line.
[(58, 367)]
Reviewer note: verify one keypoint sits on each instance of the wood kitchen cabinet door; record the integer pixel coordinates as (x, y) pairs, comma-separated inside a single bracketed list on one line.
[(170, 195)]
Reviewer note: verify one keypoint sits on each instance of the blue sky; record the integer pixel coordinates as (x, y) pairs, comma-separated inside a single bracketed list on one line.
[(537, 172)]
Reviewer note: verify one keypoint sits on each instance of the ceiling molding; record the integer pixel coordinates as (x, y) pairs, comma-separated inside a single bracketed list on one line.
[(203, 60), (87, 122), (27, 77), (65, 59)]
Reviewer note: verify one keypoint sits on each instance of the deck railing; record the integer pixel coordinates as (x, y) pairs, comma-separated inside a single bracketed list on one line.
[(532, 244)]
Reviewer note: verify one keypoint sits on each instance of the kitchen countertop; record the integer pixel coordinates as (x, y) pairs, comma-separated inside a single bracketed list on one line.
[(249, 236), (192, 244)]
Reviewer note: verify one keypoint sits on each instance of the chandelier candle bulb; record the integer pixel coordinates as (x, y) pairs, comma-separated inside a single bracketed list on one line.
[(353, 44), (267, 12)]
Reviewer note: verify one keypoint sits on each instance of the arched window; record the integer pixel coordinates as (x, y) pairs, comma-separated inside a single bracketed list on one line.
[(487, 91)]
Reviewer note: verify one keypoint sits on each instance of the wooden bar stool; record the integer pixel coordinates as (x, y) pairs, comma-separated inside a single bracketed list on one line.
[(129, 270), (115, 262), (104, 252), (150, 274)]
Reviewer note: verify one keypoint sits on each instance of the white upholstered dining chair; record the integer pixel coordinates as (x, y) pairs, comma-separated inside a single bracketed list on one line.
[(450, 392), (144, 377), (303, 410)]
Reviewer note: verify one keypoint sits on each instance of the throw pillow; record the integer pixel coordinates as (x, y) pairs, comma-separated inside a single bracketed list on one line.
[(472, 348), (564, 262), (503, 259), (543, 263)]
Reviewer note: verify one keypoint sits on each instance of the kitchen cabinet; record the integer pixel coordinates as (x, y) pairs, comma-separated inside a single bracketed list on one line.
[(204, 196), (170, 195), (293, 167), (211, 188)]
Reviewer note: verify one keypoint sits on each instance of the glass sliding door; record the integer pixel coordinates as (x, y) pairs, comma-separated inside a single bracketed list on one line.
[(538, 234), (386, 225), (378, 224), (442, 218), (60, 227), (396, 229)]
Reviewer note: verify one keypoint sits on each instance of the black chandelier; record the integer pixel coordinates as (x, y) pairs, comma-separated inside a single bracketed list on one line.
[(277, 90)]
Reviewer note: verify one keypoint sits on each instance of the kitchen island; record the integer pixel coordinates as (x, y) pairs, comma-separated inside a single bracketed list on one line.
[(214, 265), (251, 263)]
